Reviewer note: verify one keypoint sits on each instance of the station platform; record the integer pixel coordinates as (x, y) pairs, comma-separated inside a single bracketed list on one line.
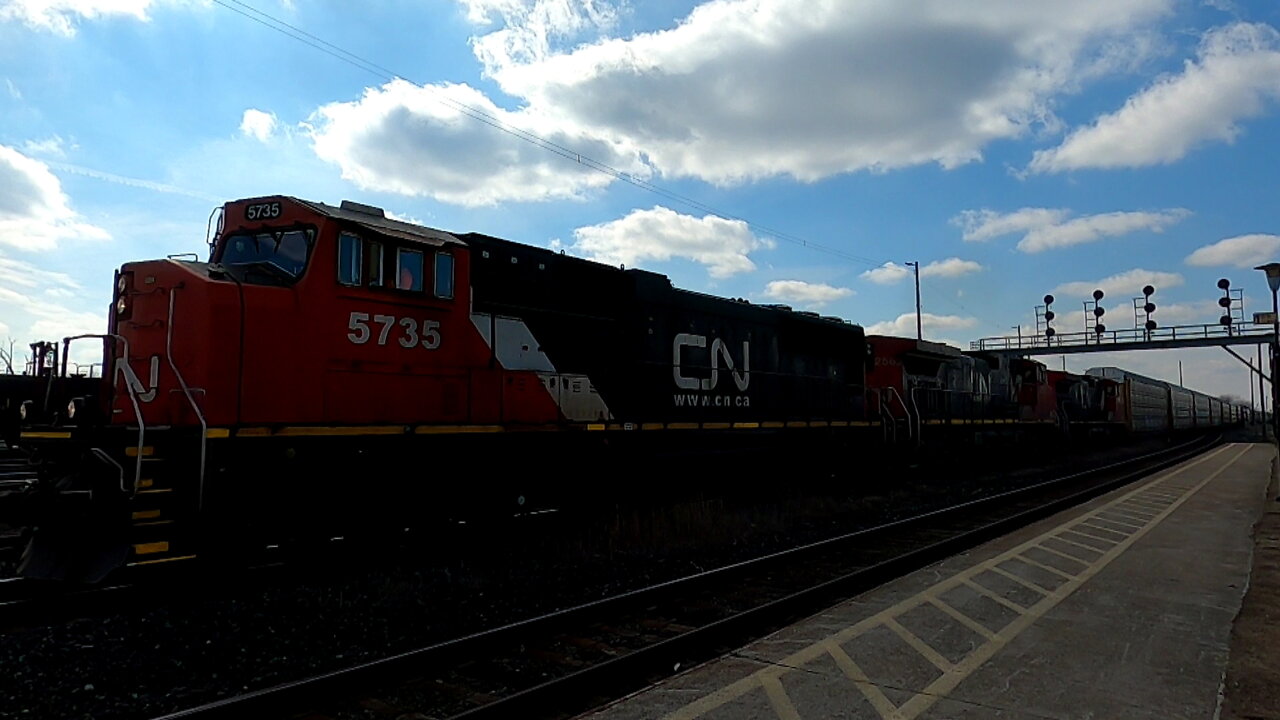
[(1120, 608)]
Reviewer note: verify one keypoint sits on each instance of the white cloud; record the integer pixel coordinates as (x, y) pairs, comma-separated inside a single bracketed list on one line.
[(887, 274), (531, 28), (891, 273), (1244, 251), (1192, 313), (1046, 228), (745, 89), (805, 293), (258, 124), (135, 182), (905, 324), (735, 91), (951, 267), (35, 214), (19, 274), (49, 147), (1121, 288), (982, 225), (1236, 72), (424, 141), (61, 16), (661, 234), (1092, 228), (31, 301)]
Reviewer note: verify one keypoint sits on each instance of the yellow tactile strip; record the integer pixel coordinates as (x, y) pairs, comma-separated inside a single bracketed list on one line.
[(1049, 567)]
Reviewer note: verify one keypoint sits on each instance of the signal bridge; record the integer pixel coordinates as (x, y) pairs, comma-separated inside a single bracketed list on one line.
[(1161, 338), (1231, 329)]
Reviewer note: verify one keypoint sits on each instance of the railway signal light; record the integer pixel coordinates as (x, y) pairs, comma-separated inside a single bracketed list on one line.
[(1098, 311), (1225, 303), (1146, 307), (1049, 315)]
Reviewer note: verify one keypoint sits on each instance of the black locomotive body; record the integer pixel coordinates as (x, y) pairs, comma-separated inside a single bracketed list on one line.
[(658, 354)]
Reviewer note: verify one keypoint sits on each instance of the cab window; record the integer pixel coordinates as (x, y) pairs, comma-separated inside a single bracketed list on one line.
[(349, 257), (444, 275), (282, 253), (408, 269)]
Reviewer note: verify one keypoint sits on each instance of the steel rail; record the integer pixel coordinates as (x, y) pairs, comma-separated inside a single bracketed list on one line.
[(616, 677)]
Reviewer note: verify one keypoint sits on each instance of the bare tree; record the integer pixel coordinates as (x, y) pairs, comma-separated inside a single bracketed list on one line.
[(6, 357)]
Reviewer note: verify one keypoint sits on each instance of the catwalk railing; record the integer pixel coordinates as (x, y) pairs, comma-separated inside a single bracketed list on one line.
[(1128, 339)]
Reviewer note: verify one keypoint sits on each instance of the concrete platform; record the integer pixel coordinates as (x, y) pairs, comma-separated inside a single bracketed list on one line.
[(1121, 608)]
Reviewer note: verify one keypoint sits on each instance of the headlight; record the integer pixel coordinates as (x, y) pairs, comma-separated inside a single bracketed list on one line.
[(122, 284), (22, 409), (121, 305), (71, 410)]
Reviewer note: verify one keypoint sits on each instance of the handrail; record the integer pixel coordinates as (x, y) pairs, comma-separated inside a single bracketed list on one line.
[(905, 409), (132, 385), (1120, 336), (204, 427), (919, 416), (886, 419)]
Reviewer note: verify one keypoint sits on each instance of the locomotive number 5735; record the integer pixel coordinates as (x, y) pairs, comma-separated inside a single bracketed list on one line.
[(408, 334)]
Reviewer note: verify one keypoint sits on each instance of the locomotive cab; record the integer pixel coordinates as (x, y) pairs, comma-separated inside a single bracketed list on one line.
[(304, 313)]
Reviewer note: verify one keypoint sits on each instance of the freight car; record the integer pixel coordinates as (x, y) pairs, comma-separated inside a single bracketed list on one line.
[(1156, 405), (330, 366)]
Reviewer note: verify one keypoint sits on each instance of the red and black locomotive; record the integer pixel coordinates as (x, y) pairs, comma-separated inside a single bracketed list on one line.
[(329, 365)]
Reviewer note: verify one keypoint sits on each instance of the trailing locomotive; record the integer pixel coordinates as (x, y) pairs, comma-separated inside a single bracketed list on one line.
[(330, 368)]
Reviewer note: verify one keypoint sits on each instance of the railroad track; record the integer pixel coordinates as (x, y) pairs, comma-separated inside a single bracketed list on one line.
[(565, 662), (24, 603)]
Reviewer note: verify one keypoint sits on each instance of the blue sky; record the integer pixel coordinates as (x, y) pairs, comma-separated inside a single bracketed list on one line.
[(1013, 148)]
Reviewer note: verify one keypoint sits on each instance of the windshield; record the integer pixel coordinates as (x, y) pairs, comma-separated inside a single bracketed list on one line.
[(286, 250)]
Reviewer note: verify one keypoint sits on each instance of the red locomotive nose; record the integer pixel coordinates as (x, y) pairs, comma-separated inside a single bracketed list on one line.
[(169, 316)]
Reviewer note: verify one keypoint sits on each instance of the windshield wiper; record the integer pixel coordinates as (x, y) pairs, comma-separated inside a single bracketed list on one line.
[(274, 269)]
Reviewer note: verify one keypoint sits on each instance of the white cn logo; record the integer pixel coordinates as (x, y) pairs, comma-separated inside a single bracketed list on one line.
[(719, 354)]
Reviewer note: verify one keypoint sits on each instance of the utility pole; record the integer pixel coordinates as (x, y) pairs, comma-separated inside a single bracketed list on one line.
[(1262, 398), (919, 326), (1273, 281)]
